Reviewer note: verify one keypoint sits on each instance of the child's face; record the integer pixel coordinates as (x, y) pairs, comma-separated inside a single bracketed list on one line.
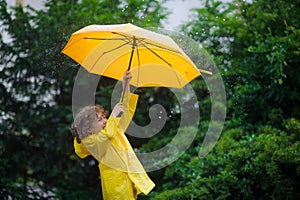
[(101, 120)]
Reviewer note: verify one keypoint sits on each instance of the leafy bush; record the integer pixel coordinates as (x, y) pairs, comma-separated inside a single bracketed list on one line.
[(259, 165)]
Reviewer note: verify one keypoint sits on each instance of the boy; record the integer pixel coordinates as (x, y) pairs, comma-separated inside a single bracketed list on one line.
[(122, 175)]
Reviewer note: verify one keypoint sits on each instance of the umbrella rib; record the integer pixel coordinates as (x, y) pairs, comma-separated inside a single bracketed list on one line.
[(162, 60), (125, 36), (88, 38), (139, 64), (156, 54), (172, 50), (106, 53)]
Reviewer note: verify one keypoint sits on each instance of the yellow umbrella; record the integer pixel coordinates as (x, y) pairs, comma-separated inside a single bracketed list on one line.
[(154, 60)]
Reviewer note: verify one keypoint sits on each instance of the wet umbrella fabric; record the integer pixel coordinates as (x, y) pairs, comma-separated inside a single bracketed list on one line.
[(154, 60)]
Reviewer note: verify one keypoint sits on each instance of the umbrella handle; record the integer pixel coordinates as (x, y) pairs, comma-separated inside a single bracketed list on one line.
[(123, 93), (124, 89)]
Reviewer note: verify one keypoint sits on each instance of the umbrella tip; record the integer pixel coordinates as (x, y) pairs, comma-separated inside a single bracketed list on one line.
[(205, 71)]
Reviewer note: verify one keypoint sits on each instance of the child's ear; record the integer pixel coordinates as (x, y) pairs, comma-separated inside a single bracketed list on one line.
[(74, 133)]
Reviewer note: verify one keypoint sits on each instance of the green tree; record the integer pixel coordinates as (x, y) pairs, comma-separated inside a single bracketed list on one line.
[(241, 166), (37, 158), (256, 47)]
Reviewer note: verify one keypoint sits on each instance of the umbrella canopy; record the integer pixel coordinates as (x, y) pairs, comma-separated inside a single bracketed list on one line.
[(110, 50)]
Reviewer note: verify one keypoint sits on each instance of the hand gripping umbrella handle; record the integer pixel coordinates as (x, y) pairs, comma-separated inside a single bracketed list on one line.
[(123, 93), (124, 89), (129, 65)]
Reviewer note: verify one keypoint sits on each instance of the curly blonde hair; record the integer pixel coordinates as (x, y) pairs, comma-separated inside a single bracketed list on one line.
[(84, 121)]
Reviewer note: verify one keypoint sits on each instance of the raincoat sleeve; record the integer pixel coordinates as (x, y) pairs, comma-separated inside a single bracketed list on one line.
[(130, 102), (111, 126), (80, 149), (97, 143)]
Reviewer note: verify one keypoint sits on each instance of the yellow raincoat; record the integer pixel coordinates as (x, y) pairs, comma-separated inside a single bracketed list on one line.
[(122, 175)]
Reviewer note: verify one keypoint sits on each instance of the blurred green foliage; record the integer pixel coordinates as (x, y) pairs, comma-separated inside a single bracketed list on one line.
[(256, 48), (261, 165), (36, 82)]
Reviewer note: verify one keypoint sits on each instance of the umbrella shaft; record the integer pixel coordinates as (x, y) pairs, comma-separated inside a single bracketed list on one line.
[(129, 65), (132, 51)]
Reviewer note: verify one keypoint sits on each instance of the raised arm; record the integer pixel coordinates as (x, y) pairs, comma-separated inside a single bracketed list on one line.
[(126, 81)]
